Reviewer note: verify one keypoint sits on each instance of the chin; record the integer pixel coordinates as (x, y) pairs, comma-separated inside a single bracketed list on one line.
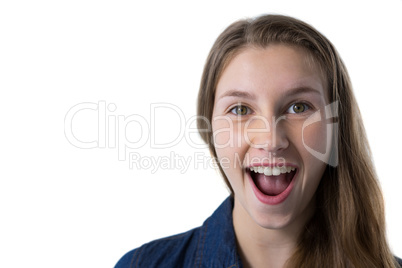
[(272, 220)]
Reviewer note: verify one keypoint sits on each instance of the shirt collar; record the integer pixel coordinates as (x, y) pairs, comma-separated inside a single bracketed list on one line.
[(217, 244)]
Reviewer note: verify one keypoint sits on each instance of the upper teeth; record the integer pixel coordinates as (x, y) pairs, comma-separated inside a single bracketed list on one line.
[(269, 171)]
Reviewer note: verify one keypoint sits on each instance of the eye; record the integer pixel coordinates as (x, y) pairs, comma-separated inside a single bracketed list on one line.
[(298, 108), (240, 110)]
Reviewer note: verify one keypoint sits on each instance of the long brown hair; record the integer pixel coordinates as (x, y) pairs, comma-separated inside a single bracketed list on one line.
[(348, 228)]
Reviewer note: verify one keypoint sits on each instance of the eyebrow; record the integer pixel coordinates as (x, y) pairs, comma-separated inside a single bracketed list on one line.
[(248, 95), (239, 94), (301, 90)]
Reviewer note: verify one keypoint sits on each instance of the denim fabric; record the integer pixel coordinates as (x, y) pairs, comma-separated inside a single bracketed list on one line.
[(211, 245), (399, 261)]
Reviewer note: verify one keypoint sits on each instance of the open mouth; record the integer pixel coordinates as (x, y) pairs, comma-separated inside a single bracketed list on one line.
[(272, 181)]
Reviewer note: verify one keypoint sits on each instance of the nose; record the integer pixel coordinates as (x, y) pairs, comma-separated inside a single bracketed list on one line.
[(267, 134)]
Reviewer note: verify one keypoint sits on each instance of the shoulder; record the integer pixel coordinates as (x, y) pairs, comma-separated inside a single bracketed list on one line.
[(399, 261), (172, 251), (211, 245)]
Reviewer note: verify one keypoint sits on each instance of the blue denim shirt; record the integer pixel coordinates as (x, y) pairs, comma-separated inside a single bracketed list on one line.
[(211, 245)]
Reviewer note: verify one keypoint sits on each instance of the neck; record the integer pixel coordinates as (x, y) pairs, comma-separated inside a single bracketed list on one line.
[(265, 247)]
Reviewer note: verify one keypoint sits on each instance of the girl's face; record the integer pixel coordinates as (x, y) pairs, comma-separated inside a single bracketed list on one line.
[(261, 135)]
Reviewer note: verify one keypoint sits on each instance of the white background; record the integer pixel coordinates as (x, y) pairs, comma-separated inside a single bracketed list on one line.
[(62, 206)]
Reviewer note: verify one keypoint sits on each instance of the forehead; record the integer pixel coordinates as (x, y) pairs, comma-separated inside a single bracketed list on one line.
[(276, 67)]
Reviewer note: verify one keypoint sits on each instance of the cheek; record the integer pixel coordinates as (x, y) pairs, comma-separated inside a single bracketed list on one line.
[(227, 135), (222, 133), (229, 146), (314, 138), (313, 151)]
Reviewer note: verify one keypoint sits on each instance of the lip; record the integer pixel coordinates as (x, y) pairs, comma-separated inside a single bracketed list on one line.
[(273, 165), (272, 200)]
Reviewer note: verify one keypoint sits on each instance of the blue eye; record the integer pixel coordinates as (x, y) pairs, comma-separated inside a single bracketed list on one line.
[(298, 108), (241, 110)]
